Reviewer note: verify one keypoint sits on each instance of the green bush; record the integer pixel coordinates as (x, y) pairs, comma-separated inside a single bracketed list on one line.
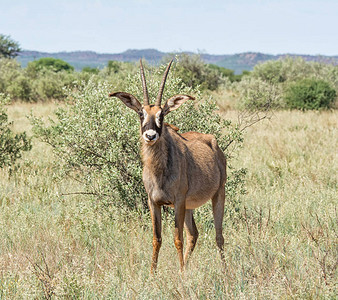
[(271, 84), (91, 70), (255, 94), (197, 74), (11, 144), (289, 70), (114, 66), (97, 137), (307, 94), (35, 84), (21, 88), (51, 85), (270, 71), (9, 71), (14, 81), (51, 63)]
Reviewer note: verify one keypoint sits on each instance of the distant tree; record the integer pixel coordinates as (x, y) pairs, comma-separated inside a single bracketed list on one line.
[(194, 72), (114, 66), (228, 73), (309, 93), (238, 77), (54, 64), (224, 71), (8, 47), (90, 70)]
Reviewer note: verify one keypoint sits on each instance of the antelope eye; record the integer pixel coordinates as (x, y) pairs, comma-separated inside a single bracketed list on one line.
[(140, 113)]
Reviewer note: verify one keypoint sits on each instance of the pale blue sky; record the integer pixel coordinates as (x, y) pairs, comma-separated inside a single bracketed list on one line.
[(211, 26)]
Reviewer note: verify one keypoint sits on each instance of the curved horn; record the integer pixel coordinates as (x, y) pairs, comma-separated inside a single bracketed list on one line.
[(160, 93), (144, 85)]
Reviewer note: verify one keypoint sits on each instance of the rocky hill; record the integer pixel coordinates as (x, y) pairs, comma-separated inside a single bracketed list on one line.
[(236, 62)]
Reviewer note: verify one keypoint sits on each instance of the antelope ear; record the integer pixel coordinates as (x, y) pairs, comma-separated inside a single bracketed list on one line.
[(175, 102), (129, 100)]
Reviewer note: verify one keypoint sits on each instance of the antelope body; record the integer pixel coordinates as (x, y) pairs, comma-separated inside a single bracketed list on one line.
[(179, 170)]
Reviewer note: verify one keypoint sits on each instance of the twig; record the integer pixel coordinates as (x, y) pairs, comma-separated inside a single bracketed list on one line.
[(310, 234), (84, 193)]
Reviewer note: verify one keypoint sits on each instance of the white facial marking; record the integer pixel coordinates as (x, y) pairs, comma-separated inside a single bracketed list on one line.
[(145, 115), (150, 132), (157, 119)]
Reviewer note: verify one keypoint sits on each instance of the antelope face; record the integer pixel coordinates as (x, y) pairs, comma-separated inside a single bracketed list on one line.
[(151, 118)]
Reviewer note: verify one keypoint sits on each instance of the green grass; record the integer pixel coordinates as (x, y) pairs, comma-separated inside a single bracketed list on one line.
[(284, 245)]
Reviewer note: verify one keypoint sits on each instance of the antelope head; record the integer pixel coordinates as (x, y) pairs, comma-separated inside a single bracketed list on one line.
[(152, 116)]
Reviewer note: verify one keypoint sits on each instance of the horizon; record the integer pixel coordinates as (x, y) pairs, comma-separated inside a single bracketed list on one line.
[(272, 27), (177, 52)]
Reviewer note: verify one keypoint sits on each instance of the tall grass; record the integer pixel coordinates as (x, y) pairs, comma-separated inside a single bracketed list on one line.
[(284, 245)]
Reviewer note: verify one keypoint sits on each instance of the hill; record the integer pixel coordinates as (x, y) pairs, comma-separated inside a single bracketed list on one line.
[(237, 62)]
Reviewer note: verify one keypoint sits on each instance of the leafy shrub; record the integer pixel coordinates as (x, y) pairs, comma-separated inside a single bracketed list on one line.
[(11, 144), (289, 70), (97, 137), (308, 94), (270, 71), (256, 94), (269, 82), (53, 85), (9, 72), (197, 74), (91, 70), (21, 88), (51, 63), (13, 80), (114, 66), (34, 84)]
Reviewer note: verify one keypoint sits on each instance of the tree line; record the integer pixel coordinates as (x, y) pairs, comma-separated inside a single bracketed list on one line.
[(284, 84)]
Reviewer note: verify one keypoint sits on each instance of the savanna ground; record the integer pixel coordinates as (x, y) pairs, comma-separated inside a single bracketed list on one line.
[(283, 243)]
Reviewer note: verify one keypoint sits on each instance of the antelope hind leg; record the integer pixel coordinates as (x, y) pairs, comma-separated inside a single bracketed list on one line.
[(218, 212), (192, 234)]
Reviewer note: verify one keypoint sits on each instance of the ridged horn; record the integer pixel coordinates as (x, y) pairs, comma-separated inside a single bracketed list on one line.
[(144, 85), (160, 93)]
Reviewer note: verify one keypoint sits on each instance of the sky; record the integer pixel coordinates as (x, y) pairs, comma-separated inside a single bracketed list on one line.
[(203, 26)]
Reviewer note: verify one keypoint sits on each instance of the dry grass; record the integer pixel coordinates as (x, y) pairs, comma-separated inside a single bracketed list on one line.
[(284, 245)]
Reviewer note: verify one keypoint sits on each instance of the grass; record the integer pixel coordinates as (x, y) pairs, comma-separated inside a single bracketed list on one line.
[(283, 245)]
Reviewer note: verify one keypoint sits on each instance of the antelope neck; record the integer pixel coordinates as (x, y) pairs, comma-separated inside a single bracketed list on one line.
[(155, 156)]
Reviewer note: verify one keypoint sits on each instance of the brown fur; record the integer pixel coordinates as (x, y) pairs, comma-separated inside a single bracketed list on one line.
[(182, 171), (168, 164)]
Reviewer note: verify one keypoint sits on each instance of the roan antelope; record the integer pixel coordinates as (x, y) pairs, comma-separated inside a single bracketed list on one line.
[(182, 171)]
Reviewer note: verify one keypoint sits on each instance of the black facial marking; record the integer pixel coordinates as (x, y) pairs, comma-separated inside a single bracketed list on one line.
[(151, 124), (161, 118), (159, 129), (140, 113)]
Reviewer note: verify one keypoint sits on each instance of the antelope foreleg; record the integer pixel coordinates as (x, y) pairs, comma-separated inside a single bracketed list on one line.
[(179, 222), (156, 218)]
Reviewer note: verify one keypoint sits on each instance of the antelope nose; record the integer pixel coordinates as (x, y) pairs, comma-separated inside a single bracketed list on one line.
[(150, 137)]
